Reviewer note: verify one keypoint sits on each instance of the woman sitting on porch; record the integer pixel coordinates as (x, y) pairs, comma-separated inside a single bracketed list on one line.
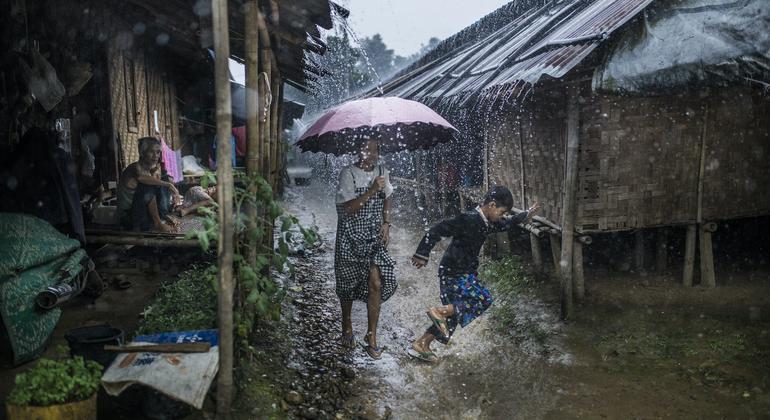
[(144, 196)]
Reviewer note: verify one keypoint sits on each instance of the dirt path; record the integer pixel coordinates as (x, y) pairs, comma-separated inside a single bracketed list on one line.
[(618, 359), (480, 375)]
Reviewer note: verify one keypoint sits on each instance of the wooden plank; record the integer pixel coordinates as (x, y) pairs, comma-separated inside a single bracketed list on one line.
[(162, 348)]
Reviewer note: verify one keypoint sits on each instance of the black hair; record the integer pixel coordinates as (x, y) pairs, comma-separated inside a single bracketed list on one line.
[(500, 195)]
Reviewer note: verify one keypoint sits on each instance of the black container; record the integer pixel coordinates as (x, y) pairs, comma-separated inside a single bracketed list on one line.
[(89, 342)]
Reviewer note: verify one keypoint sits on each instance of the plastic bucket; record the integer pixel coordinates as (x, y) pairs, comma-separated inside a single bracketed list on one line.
[(89, 342)]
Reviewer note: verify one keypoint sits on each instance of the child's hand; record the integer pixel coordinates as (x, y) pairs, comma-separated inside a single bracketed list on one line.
[(419, 263), (533, 210)]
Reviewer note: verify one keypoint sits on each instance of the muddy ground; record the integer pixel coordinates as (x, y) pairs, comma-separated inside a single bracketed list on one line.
[(640, 346)]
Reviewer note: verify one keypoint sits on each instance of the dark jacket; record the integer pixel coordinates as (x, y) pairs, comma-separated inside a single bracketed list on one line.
[(468, 232)]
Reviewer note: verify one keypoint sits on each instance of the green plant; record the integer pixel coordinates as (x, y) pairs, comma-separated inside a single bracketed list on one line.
[(53, 382), (187, 303), (255, 214)]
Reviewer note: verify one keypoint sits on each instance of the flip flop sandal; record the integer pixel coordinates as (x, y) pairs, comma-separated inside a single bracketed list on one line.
[(122, 283), (373, 352), (423, 356), (439, 323)]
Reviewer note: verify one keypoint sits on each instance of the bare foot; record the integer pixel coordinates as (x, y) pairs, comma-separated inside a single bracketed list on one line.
[(164, 228), (173, 221)]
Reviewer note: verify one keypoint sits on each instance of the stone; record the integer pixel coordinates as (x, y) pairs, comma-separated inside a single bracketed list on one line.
[(294, 398)]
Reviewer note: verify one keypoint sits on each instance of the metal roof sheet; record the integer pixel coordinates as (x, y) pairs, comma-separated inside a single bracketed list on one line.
[(545, 41)]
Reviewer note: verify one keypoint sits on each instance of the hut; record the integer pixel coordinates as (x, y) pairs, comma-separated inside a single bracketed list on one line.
[(617, 115), (102, 75)]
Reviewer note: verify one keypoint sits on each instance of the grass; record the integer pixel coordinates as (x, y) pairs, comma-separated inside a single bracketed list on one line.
[(513, 283), (186, 303)]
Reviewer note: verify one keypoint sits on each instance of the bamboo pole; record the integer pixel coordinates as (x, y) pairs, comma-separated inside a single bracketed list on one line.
[(281, 145), (252, 109), (274, 129), (537, 256), (555, 253), (639, 250), (569, 203), (267, 67), (689, 256), (661, 249), (707, 275), (225, 200), (577, 258)]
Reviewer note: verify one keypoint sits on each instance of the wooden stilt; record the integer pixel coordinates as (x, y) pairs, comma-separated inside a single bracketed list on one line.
[(689, 256), (577, 271), (225, 200), (707, 275), (661, 250), (537, 256), (555, 253), (569, 203), (639, 251)]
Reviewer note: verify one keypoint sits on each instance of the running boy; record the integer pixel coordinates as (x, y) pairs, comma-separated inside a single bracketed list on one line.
[(463, 297)]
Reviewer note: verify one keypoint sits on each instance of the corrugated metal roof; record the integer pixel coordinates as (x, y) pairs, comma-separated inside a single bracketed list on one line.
[(544, 41)]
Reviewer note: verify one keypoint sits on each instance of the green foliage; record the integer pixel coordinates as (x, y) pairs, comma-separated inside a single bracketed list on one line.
[(53, 382), (188, 303), (256, 210)]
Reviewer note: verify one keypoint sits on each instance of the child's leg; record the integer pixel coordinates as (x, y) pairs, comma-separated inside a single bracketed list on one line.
[(422, 344)]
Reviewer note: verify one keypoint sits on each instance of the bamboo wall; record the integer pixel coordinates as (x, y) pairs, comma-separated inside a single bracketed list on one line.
[(139, 86), (516, 140), (640, 157)]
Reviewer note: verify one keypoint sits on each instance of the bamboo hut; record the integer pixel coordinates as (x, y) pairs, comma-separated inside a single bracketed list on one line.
[(618, 115)]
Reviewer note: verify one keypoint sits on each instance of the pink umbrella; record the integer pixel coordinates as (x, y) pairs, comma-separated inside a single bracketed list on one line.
[(399, 124)]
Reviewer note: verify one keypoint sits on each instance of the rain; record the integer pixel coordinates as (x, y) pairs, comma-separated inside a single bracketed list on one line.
[(526, 209)]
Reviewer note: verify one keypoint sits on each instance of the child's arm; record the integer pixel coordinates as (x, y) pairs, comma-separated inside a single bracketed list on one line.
[(522, 217), (444, 229)]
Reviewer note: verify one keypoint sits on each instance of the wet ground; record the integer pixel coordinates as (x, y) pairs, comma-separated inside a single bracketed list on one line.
[(637, 349)]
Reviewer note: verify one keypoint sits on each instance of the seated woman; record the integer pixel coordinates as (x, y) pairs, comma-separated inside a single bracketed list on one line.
[(144, 197)]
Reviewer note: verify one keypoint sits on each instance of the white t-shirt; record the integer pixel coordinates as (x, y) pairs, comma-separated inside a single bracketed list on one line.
[(346, 189)]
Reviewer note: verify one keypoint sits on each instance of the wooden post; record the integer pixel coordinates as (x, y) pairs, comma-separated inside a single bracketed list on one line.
[(577, 271), (252, 105), (225, 200), (537, 256), (555, 253), (689, 256), (569, 204), (639, 250), (661, 249), (707, 276)]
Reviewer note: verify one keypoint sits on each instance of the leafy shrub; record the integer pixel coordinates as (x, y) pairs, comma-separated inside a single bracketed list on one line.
[(186, 303), (53, 382)]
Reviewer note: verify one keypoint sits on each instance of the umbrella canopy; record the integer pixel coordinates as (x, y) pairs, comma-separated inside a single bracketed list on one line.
[(399, 124)]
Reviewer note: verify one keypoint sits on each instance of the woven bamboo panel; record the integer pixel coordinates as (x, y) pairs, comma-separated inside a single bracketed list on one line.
[(736, 181), (534, 136), (638, 162), (640, 158), (129, 100), (139, 87)]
